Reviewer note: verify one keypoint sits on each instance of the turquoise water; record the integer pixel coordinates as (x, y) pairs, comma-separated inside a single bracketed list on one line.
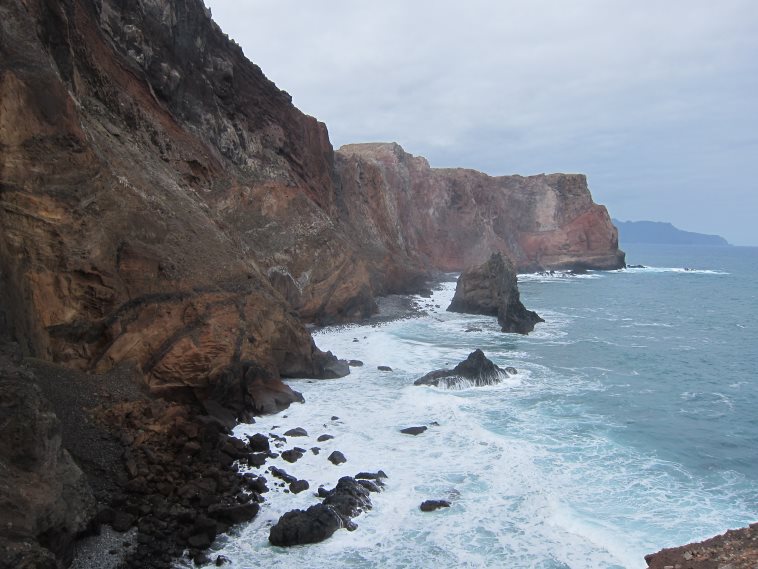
[(631, 425)]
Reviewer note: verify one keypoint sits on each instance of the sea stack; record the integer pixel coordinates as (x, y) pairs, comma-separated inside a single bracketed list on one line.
[(492, 289)]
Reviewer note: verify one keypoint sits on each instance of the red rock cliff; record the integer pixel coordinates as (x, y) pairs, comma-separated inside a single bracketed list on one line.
[(451, 219)]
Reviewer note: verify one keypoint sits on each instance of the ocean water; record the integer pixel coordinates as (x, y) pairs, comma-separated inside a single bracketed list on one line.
[(632, 425)]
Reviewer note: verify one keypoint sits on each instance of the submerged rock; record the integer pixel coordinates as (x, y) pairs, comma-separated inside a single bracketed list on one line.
[(491, 289), (475, 370), (413, 430), (431, 505)]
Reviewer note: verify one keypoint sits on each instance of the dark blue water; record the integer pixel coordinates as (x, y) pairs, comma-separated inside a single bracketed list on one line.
[(632, 424)]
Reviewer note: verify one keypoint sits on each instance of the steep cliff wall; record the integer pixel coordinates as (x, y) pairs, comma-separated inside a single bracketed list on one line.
[(146, 173), (450, 219)]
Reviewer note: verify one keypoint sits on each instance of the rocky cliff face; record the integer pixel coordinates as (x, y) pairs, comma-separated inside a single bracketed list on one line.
[(147, 174), (450, 219), (162, 202)]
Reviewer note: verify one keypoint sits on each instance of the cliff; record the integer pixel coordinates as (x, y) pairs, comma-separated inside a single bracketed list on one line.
[(451, 219)]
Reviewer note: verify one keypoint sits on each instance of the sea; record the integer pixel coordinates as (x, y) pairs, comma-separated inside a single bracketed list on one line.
[(631, 425)]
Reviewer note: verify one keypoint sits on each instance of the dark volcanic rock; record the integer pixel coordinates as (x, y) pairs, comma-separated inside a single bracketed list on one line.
[(292, 455), (384, 368), (476, 370), (337, 458), (345, 501), (492, 289), (431, 505), (349, 498), (323, 438), (44, 497), (299, 527), (296, 432), (259, 443), (299, 486), (413, 430)]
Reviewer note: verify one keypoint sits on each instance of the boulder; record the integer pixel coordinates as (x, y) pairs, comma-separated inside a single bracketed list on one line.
[(492, 289), (299, 527), (337, 458), (296, 432), (475, 370), (349, 498), (413, 430), (431, 505)]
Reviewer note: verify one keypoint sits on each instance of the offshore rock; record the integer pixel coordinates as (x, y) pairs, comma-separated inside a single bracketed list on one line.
[(492, 289), (475, 370)]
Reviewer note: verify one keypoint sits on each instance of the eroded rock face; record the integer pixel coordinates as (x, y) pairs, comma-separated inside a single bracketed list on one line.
[(142, 156), (492, 289), (450, 219)]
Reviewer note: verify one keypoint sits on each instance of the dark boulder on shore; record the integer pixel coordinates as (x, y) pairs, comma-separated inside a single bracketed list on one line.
[(345, 501), (492, 289), (475, 370), (299, 527)]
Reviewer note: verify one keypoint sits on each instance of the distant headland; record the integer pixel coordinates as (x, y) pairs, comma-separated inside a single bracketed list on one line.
[(662, 233)]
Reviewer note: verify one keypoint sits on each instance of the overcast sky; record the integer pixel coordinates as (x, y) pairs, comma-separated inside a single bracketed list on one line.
[(656, 101)]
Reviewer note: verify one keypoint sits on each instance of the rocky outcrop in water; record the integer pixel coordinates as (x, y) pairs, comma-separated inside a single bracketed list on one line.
[(345, 501), (492, 289), (475, 370)]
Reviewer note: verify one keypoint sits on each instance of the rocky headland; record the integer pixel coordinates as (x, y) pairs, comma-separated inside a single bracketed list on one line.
[(169, 225)]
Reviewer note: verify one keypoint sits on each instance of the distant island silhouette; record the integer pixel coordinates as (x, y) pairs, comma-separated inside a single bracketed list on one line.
[(662, 233)]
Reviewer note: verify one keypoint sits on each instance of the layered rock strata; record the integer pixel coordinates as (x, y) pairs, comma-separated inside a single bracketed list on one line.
[(492, 289)]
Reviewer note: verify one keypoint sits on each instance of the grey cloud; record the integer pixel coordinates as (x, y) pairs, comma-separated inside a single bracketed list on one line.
[(653, 100)]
